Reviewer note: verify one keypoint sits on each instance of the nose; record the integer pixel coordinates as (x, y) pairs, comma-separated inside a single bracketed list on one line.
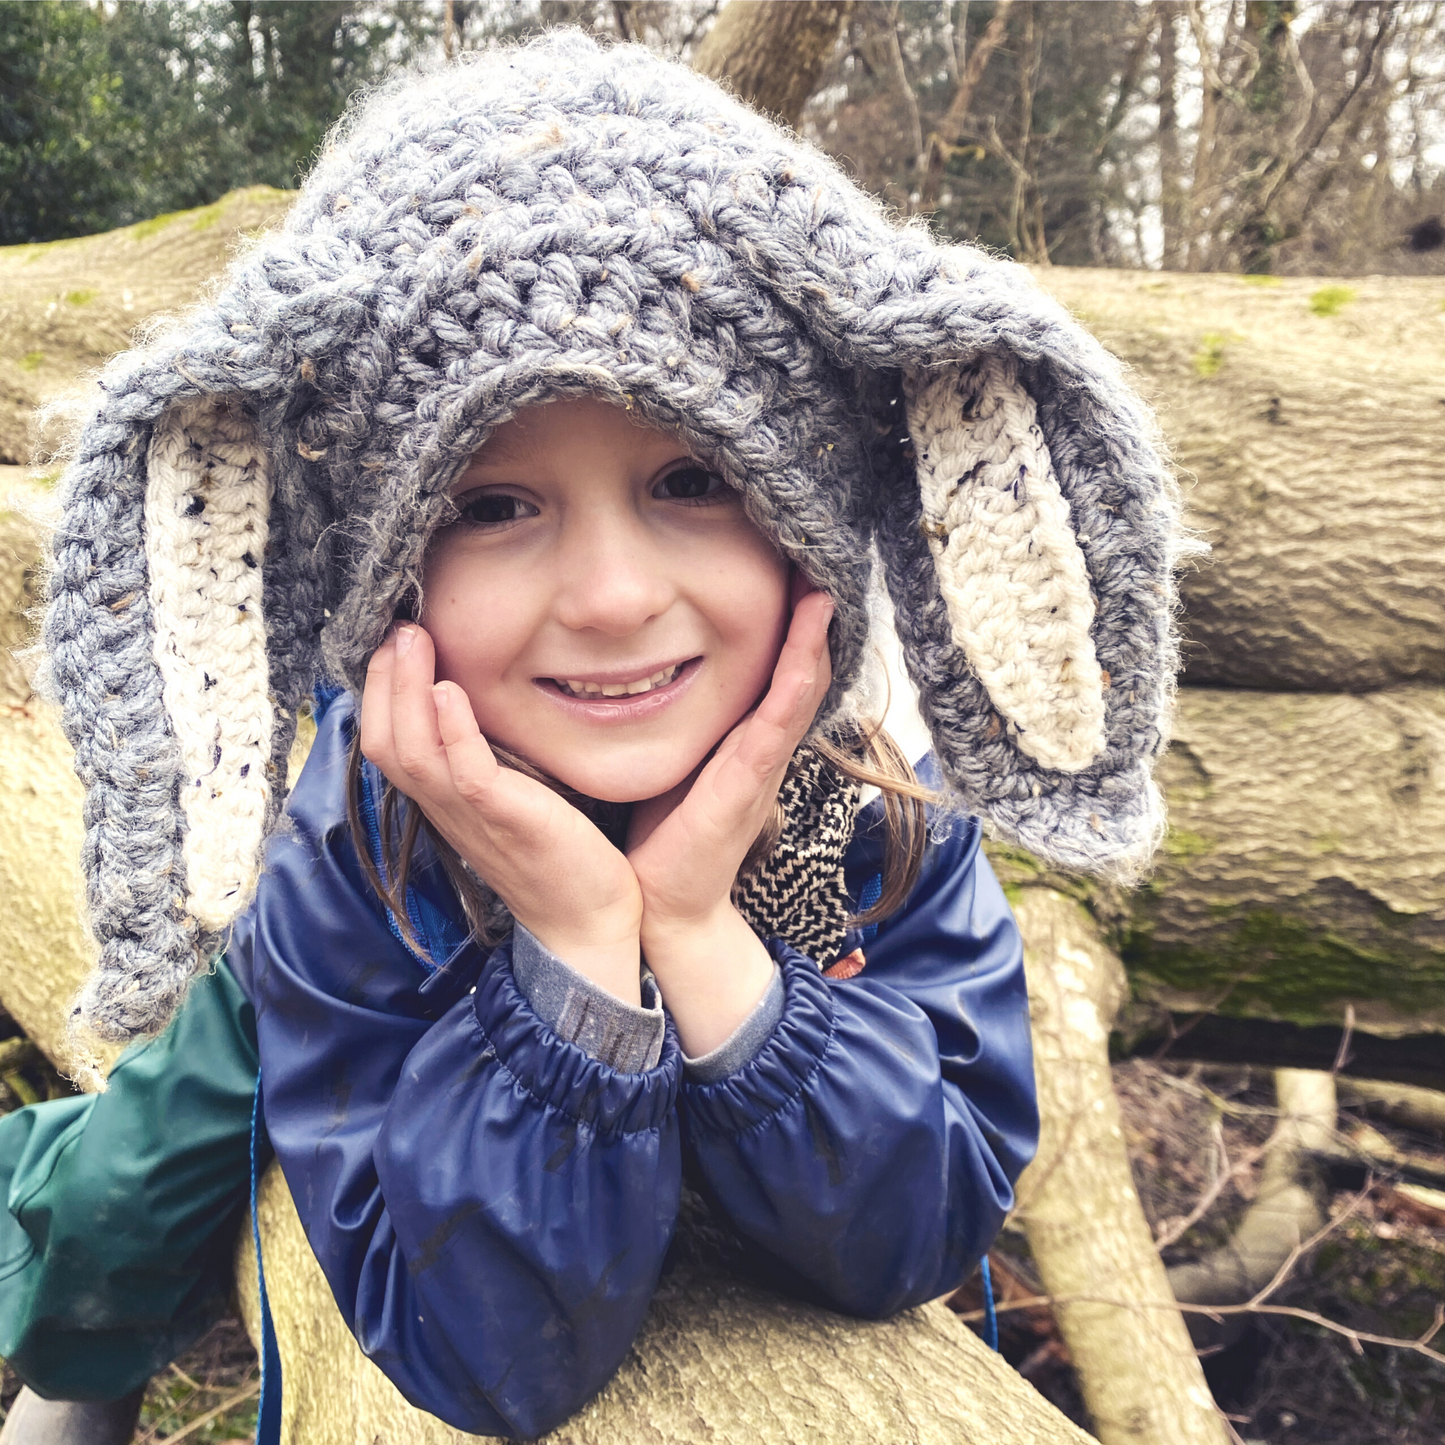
[(611, 578)]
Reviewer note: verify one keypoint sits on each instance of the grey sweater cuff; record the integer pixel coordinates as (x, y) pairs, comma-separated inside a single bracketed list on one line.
[(620, 1035), (742, 1045)]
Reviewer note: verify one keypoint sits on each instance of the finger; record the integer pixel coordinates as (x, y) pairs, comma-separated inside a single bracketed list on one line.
[(417, 743), (376, 733), (474, 768), (803, 671)]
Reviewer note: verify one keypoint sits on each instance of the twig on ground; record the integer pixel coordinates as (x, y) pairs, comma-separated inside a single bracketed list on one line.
[(1342, 1054), (1220, 1184), (190, 1428)]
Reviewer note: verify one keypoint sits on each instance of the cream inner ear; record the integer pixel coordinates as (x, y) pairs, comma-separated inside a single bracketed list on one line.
[(207, 506), (1009, 565)]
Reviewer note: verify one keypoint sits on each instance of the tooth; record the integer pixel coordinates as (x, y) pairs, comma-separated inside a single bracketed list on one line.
[(613, 689), (643, 684)]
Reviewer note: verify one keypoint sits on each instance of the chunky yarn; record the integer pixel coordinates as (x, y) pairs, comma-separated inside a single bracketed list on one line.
[(557, 219)]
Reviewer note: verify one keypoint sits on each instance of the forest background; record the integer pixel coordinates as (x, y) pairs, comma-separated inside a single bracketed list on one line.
[(1203, 135)]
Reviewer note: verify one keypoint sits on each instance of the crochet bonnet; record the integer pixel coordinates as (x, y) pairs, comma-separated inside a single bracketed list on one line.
[(249, 505)]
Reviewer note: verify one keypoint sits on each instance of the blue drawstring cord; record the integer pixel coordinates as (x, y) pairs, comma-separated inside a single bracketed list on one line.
[(990, 1318), (870, 893), (268, 1411)]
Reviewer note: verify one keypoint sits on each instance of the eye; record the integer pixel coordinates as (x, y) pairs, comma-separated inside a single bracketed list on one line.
[(689, 482), (492, 509)]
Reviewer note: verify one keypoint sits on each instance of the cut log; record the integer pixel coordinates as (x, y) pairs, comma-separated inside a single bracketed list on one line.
[(1415, 1108), (1137, 1368), (1305, 867), (67, 306), (1288, 890), (717, 1359), (1286, 1209), (1306, 419), (1309, 444)]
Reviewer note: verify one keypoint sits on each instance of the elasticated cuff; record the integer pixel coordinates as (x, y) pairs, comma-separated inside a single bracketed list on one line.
[(783, 1066), (618, 1034), (560, 1075), (743, 1044)]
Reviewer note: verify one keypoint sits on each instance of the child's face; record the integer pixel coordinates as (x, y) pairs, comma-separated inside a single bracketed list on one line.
[(594, 553)]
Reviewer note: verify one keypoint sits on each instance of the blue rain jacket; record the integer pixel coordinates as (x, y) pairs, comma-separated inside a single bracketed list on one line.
[(491, 1205)]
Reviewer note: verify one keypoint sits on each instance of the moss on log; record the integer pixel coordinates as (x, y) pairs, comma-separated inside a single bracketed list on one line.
[(67, 306), (1302, 869)]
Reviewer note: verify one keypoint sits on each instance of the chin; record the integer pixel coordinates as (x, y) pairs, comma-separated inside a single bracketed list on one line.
[(624, 784)]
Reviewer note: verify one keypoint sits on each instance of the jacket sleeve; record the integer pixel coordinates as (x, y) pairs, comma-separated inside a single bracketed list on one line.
[(868, 1152), (490, 1204)]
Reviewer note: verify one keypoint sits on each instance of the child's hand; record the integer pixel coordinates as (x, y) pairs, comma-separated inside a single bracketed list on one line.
[(686, 847), (551, 866)]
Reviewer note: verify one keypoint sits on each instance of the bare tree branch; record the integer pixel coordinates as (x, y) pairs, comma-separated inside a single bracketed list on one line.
[(946, 136)]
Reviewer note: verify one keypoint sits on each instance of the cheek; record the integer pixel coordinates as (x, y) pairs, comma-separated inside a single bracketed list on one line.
[(753, 608), (473, 622)]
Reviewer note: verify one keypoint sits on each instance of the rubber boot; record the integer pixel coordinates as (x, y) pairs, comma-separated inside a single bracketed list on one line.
[(34, 1421)]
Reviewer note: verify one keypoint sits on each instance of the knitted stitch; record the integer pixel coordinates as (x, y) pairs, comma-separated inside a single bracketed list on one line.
[(798, 893), (558, 219), (1009, 566), (206, 510)]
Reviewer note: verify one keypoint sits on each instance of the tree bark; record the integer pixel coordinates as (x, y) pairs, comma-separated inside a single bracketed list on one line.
[(772, 55), (1309, 444), (1310, 449), (1171, 174), (717, 1359), (954, 118), (1140, 1377), (1301, 873)]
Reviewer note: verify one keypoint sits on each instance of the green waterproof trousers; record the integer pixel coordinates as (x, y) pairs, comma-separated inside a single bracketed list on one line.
[(121, 1209)]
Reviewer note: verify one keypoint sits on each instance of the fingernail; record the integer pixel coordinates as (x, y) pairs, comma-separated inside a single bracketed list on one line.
[(439, 696), (405, 636)]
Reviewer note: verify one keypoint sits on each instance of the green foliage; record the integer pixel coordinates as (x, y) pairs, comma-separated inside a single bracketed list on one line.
[(1331, 300), (1210, 356), (82, 297), (112, 114), (32, 361)]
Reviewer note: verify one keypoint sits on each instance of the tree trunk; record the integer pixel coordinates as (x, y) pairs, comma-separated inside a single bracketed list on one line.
[(1309, 444), (717, 1359), (1310, 447), (1171, 173), (1140, 1377), (772, 55), (1301, 873), (1303, 869)]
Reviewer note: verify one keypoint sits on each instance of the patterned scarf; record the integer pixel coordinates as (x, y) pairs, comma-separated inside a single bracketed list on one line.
[(797, 893)]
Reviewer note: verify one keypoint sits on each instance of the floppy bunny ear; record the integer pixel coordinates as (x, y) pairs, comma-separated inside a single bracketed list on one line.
[(1008, 565), (179, 706), (207, 511)]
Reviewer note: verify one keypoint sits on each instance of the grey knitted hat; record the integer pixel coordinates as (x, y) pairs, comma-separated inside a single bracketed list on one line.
[(249, 506)]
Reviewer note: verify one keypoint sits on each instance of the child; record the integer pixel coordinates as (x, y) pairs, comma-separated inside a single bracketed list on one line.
[(561, 422)]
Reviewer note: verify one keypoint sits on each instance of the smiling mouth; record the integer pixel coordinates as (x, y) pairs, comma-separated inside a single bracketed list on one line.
[(635, 688)]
